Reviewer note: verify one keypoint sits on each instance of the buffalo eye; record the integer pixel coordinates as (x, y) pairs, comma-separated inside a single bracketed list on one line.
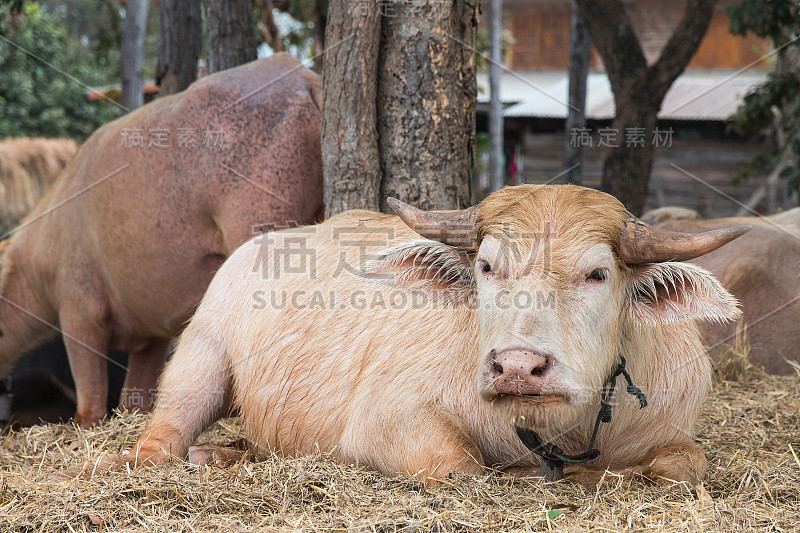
[(598, 274), (486, 268)]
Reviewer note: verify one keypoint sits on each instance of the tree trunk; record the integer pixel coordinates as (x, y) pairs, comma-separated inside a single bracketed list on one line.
[(131, 54), (179, 45), (350, 159), (626, 169), (231, 38), (580, 51), (399, 104), (426, 102), (638, 89), (320, 23)]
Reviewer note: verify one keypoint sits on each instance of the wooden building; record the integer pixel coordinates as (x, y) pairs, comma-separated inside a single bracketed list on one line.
[(695, 166)]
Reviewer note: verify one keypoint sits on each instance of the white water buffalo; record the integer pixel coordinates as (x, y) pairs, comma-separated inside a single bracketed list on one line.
[(120, 250), (762, 269), (418, 352)]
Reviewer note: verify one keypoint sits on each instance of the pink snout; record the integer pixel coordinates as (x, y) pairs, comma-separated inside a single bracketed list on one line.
[(517, 371)]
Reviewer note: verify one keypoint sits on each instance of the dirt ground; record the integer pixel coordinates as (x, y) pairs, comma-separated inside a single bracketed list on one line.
[(750, 432)]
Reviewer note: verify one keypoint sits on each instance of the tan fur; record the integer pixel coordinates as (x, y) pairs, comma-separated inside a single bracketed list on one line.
[(120, 250), (762, 269), (665, 214), (401, 388), (27, 168)]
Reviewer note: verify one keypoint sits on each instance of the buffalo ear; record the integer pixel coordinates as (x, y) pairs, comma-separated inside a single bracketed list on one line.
[(441, 271), (673, 292)]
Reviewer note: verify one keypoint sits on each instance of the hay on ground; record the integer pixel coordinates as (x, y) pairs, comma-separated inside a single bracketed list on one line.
[(27, 168), (750, 432)]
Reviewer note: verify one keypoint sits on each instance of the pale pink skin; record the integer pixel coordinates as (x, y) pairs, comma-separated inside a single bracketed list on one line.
[(409, 391), (133, 235)]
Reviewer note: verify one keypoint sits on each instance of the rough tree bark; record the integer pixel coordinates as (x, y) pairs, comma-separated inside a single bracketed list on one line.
[(426, 103), (580, 52), (231, 38), (131, 54), (638, 89), (179, 44), (400, 91), (350, 159)]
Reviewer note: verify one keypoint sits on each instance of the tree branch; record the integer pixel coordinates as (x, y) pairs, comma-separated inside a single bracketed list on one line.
[(681, 46), (612, 33)]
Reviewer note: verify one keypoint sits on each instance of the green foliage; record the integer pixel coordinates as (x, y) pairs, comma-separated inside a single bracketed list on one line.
[(44, 75), (482, 47), (297, 37), (773, 107), (776, 20)]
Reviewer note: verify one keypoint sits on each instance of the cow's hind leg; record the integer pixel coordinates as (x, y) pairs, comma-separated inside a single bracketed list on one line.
[(86, 350), (193, 392), (144, 366), (217, 455)]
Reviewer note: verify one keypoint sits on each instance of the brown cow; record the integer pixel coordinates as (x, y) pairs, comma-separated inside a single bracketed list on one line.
[(421, 360), (762, 269), (120, 251)]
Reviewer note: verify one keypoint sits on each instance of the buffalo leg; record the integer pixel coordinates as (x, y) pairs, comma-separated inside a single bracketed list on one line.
[(426, 443), (676, 462), (682, 463), (144, 367), (204, 455), (89, 365), (193, 392)]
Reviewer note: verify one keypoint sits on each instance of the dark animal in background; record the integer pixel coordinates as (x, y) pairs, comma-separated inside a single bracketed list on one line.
[(121, 249)]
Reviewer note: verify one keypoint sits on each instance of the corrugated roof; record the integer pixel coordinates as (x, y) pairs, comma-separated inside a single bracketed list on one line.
[(696, 95)]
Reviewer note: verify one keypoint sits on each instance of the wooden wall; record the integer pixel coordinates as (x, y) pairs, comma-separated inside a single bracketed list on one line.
[(714, 163), (541, 33)]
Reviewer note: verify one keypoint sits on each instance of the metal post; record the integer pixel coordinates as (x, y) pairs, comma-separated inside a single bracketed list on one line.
[(496, 173)]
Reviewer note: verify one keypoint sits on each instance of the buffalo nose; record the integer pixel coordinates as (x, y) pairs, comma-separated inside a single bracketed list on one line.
[(518, 371)]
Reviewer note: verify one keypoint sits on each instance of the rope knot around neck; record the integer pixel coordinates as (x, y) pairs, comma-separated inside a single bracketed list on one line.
[(553, 457)]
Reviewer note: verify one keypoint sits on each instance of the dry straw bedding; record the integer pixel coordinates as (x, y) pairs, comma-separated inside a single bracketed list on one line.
[(748, 431)]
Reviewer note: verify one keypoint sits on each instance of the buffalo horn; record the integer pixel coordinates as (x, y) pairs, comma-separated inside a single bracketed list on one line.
[(642, 243), (456, 228)]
